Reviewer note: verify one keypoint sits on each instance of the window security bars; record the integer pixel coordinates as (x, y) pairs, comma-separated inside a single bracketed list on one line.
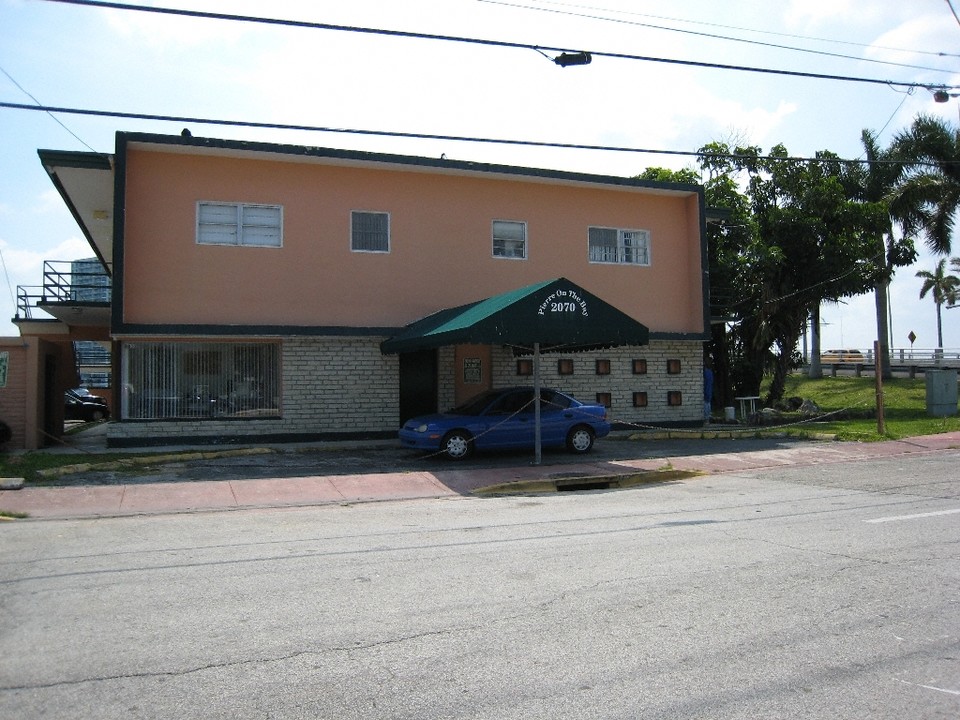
[(611, 245), (239, 224), (369, 231), (200, 380)]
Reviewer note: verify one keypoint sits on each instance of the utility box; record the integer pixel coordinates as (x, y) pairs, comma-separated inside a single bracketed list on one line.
[(941, 392)]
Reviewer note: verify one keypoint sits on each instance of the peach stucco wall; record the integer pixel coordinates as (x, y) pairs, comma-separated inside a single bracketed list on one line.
[(440, 235)]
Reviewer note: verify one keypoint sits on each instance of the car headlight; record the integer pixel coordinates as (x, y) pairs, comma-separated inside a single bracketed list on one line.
[(421, 428)]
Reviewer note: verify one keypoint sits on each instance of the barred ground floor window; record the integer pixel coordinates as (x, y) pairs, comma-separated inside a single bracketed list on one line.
[(200, 380)]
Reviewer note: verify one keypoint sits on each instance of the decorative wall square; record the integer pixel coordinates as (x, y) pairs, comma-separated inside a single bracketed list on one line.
[(639, 367), (673, 367), (605, 399), (524, 367), (640, 399), (565, 366), (674, 398), (603, 367)]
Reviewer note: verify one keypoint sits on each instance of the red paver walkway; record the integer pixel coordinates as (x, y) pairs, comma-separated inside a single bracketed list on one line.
[(84, 501)]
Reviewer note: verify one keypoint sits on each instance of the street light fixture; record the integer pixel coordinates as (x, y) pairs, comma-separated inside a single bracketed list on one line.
[(567, 59)]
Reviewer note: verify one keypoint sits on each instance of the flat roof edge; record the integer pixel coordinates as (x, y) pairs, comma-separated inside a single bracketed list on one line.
[(415, 161)]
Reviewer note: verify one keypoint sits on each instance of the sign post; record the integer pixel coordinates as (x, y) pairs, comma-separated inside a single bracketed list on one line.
[(537, 441), (877, 364)]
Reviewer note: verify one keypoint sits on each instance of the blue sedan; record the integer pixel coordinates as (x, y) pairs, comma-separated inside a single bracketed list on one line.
[(505, 419)]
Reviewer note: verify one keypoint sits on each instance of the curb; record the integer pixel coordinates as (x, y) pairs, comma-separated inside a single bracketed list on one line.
[(141, 460)]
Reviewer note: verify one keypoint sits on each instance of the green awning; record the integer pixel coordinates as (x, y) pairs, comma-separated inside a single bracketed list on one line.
[(557, 314)]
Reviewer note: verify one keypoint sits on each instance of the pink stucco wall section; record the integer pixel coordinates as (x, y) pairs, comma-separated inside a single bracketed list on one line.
[(440, 254)]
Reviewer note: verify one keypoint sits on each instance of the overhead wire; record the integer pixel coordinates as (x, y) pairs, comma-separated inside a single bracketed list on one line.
[(184, 119), (40, 105), (488, 42), (954, 11), (715, 36), (774, 33)]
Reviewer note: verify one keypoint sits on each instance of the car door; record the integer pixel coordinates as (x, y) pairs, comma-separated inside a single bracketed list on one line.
[(556, 418), (509, 421)]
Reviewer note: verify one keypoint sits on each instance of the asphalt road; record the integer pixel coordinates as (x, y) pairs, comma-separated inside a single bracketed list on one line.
[(788, 593)]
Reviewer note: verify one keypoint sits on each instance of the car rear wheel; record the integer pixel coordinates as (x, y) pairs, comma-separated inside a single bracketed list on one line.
[(457, 444), (580, 439)]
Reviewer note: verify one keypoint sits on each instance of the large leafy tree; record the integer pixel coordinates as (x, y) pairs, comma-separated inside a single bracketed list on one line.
[(943, 288), (734, 264), (814, 242), (929, 197)]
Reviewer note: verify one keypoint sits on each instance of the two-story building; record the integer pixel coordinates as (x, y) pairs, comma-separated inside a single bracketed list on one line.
[(257, 288)]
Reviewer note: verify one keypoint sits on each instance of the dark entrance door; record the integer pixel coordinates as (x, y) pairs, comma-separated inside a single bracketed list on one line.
[(418, 384)]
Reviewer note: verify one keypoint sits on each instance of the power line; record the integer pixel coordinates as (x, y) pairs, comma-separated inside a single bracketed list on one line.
[(747, 29), (715, 36), (488, 43), (182, 119), (953, 10), (56, 119)]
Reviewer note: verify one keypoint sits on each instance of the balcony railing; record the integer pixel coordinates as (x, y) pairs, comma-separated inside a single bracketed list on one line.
[(65, 282)]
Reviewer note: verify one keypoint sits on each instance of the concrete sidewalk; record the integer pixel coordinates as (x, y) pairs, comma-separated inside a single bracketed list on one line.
[(92, 501)]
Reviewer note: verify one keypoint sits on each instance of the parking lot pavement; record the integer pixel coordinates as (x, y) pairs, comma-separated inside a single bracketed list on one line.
[(171, 480)]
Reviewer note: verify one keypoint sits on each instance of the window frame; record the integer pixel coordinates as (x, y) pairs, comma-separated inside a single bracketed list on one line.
[(238, 224), (493, 240), (642, 252), (353, 229)]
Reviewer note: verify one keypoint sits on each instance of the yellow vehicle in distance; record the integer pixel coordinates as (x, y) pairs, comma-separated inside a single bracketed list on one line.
[(842, 356)]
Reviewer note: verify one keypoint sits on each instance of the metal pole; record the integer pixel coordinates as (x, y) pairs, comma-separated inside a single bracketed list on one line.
[(877, 371), (537, 445)]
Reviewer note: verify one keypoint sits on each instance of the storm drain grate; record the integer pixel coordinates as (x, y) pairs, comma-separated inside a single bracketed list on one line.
[(584, 485)]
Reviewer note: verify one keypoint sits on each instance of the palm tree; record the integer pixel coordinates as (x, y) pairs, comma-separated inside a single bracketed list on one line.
[(954, 265), (876, 182), (929, 197), (943, 287)]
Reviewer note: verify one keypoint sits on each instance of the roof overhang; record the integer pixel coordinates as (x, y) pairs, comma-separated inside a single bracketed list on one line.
[(85, 182), (556, 315)]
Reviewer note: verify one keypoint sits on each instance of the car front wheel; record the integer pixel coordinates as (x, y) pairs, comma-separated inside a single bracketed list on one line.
[(457, 444), (580, 439)]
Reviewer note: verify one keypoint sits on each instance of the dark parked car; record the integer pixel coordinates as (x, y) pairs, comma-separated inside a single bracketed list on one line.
[(505, 419), (80, 404)]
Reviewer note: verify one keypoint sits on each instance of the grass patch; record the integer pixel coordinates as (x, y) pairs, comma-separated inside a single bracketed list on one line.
[(30, 465), (11, 515), (855, 399)]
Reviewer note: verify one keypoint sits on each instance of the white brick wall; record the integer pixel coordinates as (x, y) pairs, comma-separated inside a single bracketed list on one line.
[(621, 383)]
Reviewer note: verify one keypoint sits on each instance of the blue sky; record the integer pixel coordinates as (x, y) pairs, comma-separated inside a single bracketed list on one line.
[(116, 60)]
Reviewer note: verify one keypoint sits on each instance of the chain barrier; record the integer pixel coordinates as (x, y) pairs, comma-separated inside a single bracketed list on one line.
[(738, 429), (749, 428)]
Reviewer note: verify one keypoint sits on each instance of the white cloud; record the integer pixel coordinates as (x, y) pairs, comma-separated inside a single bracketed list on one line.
[(913, 40), (25, 266), (810, 13)]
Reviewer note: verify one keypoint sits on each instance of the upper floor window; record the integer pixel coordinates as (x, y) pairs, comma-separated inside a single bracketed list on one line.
[(369, 231), (239, 224), (613, 245), (509, 239)]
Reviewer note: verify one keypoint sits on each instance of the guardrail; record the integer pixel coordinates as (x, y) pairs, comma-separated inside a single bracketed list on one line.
[(898, 356)]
